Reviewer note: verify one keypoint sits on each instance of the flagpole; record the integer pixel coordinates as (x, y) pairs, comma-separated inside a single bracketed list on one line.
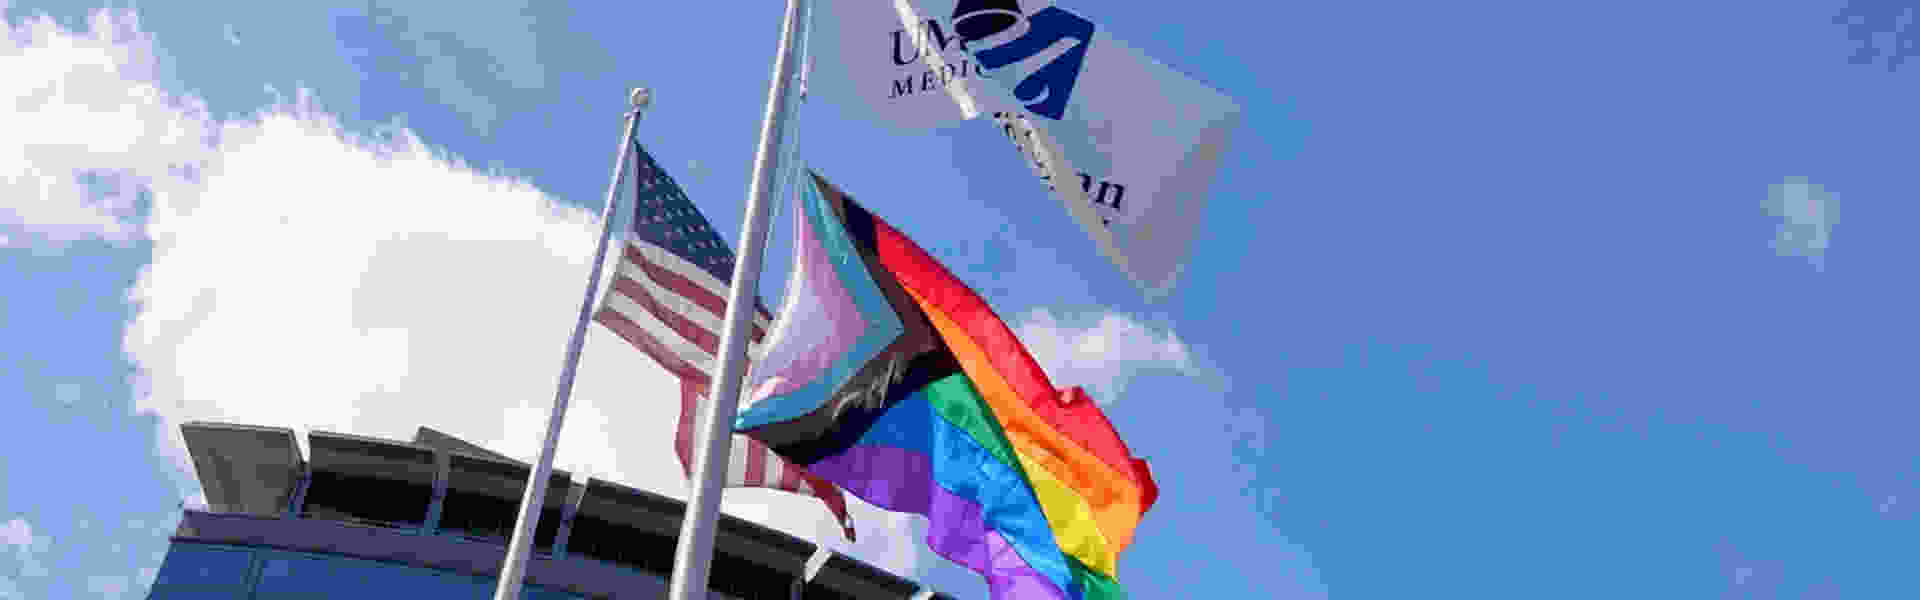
[(694, 551), (521, 546)]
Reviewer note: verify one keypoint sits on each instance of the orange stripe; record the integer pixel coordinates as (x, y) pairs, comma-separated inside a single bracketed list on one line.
[(1113, 499), (940, 290), (1075, 441)]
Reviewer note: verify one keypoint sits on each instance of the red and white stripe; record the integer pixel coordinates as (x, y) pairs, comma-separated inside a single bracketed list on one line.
[(673, 311), (752, 464)]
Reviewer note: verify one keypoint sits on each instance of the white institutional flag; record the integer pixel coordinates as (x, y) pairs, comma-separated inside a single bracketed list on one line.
[(891, 70), (1128, 144)]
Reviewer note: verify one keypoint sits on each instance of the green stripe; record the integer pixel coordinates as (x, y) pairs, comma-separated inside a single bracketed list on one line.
[(955, 400), (1094, 586)]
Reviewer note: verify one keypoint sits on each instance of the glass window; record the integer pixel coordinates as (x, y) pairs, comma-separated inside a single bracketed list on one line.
[(369, 500), (196, 565), (483, 500), (623, 545), (815, 591), (294, 576), (373, 482), (176, 592), (743, 578)]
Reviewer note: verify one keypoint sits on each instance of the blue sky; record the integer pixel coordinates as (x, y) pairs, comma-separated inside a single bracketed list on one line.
[(1486, 303)]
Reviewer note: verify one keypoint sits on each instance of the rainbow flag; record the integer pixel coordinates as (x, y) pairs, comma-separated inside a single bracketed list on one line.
[(889, 377)]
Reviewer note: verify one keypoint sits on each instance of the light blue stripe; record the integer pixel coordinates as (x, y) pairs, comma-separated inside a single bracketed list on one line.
[(883, 326)]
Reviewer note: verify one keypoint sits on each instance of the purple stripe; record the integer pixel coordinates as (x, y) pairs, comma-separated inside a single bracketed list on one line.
[(957, 531)]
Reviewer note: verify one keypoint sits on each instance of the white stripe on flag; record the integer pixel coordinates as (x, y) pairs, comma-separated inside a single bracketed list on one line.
[(737, 463), (675, 264), (680, 266), (682, 305), (660, 332)]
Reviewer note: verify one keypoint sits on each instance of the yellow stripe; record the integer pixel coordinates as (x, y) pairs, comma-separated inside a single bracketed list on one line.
[(1085, 501)]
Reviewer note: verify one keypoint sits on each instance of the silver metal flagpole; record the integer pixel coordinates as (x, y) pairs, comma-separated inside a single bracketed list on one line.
[(536, 494), (694, 552)]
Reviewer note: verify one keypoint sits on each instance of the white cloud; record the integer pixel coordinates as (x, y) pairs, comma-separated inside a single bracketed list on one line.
[(31, 567), (311, 277), (1101, 351), (85, 129), (387, 287), (9, 590), (27, 546), (233, 37), (110, 587), (67, 394), (1807, 213), (17, 532)]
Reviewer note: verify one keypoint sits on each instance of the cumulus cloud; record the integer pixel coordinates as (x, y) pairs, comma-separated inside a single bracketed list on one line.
[(1807, 214), (67, 394), (315, 277), (1101, 351), (308, 276), (109, 587), (17, 532), (86, 130), (18, 537)]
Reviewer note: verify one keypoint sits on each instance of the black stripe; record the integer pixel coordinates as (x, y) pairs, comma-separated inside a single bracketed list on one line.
[(900, 369), (823, 433)]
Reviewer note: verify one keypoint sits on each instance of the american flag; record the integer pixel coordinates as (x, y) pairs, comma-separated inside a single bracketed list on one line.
[(668, 298)]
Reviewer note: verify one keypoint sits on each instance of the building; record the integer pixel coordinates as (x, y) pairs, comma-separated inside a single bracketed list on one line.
[(363, 518)]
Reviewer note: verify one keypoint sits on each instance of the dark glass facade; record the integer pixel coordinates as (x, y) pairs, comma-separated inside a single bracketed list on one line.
[(364, 518), (210, 571)]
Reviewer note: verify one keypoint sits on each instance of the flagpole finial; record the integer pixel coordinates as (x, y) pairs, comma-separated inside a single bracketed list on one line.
[(641, 97)]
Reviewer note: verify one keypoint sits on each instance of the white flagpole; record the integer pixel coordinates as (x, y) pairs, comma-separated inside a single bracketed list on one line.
[(536, 493), (692, 555)]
